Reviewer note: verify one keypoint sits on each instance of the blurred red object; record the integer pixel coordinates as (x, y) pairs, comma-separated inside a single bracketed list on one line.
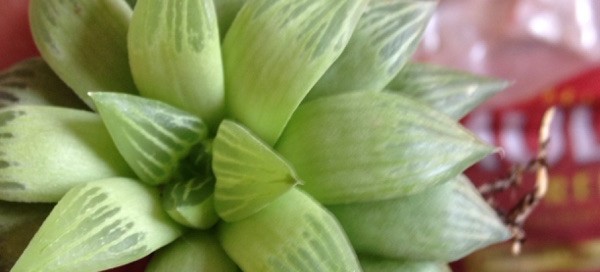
[(534, 43), (16, 42)]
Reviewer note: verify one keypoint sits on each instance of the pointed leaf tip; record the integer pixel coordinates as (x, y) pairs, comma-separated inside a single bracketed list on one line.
[(100, 225), (275, 51), (449, 91), (152, 136), (250, 174), (175, 56), (85, 43), (385, 38), (368, 146), (444, 223)]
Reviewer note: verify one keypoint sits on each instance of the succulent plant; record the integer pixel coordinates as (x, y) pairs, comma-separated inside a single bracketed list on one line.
[(261, 135)]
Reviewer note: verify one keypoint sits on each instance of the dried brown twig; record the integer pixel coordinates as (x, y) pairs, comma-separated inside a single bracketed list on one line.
[(516, 216)]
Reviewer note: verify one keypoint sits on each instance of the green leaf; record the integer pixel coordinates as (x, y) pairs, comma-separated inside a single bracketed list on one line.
[(444, 223), (175, 55), (85, 43), (32, 82), (194, 251), (100, 225), (191, 202), (18, 224), (378, 264), (250, 174), (275, 51), (369, 146), (226, 12), (152, 136), (294, 233), (48, 150), (452, 92), (384, 40)]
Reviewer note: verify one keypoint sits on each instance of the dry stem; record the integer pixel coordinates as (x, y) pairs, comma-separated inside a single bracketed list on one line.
[(516, 216)]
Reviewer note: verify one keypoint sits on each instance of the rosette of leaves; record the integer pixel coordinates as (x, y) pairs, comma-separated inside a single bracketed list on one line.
[(261, 135)]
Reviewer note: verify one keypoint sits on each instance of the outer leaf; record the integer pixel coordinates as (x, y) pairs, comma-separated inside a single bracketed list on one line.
[(294, 233), (250, 174), (378, 264), (195, 251), (452, 92), (84, 42), (444, 223), (226, 12), (18, 223), (176, 55), (33, 82), (370, 146), (276, 50), (48, 150), (384, 40), (152, 136), (100, 225), (191, 202)]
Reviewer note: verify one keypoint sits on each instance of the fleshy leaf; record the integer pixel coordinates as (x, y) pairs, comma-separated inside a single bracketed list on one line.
[(100, 225), (384, 40), (85, 43), (191, 202), (294, 233), (452, 92), (32, 82), (48, 150), (152, 136), (378, 264), (194, 251), (175, 55), (444, 223), (250, 174), (18, 224), (368, 146), (275, 51), (226, 12)]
